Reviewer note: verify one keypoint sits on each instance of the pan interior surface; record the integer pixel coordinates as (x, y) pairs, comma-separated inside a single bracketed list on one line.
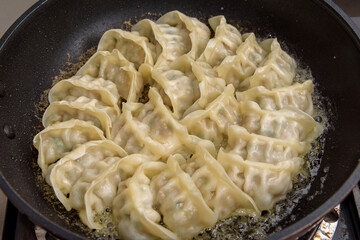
[(34, 50)]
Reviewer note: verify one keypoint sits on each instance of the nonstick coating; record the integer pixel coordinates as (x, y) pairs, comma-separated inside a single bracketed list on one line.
[(36, 47)]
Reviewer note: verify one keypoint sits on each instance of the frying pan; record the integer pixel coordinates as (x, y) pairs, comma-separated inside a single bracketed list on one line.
[(36, 47)]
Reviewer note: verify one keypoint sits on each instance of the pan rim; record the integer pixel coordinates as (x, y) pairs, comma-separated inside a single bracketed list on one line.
[(12, 195), (19, 21), (288, 232), (308, 221)]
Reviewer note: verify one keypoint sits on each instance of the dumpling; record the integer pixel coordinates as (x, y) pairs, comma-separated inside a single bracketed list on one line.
[(122, 133), (210, 85), (266, 183), (179, 201), (100, 195), (85, 178), (134, 207), (177, 90), (197, 32), (287, 123), (227, 39), (112, 112), (217, 189), (235, 68), (277, 70), (170, 42), (151, 127), (186, 85), (72, 175), (212, 122), (86, 86), (115, 67), (55, 141), (136, 49), (207, 86), (63, 111), (260, 148), (297, 95)]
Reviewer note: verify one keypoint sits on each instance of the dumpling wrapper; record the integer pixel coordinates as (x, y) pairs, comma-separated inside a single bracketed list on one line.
[(297, 95), (225, 42), (136, 49), (133, 206), (260, 148), (86, 86), (217, 189), (198, 33), (85, 163), (102, 191), (265, 183), (115, 67), (150, 128), (63, 110), (55, 141)]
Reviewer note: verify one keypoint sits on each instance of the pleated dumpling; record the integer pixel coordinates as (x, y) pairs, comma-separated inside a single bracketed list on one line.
[(297, 95), (81, 96), (55, 141), (178, 90), (266, 183), (179, 201), (84, 101), (122, 132), (197, 31), (287, 123), (217, 189), (185, 85), (152, 127), (115, 67), (100, 195), (211, 123), (73, 174), (63, 111), (225, 42), (77, 87), (277, 70), (210, 85), (235, 68), (90, 174), (170, 42), (134, 208), (203, 80), (260, 148), (136, 49)]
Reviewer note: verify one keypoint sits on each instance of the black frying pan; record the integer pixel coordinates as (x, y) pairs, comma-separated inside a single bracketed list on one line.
[(36, 47)]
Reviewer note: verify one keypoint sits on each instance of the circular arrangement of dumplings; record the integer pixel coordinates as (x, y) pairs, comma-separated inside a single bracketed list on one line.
[(223, 131)]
